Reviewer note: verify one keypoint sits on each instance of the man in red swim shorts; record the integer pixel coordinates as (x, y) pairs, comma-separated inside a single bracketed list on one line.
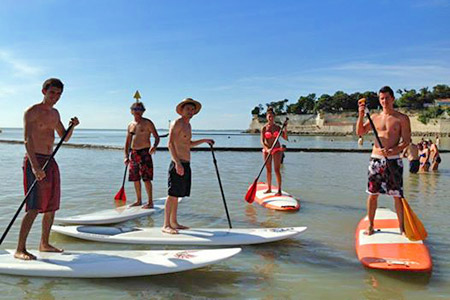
[(141, 165), (40, 123)]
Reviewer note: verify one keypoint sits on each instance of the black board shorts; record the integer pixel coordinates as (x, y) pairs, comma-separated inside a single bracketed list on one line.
[(179, 186)]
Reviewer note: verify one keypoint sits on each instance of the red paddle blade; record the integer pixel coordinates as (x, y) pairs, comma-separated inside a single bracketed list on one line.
[(251, 193), (121, 195)]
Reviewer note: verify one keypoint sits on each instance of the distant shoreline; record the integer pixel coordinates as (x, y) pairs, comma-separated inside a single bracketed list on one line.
[(207, 149)]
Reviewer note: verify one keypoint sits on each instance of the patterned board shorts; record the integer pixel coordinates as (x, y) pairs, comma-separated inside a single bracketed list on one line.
[(141, 165), (383, 179)]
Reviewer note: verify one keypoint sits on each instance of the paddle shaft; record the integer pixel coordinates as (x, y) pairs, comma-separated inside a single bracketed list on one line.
[(126, 166), (220, 185), (31, 188), (270, 151)]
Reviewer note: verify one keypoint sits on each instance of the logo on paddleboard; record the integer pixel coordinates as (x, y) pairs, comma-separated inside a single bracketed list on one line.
[(184, 254), (280, 229)]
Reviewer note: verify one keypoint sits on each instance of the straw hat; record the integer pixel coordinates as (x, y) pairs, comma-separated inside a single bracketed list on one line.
[(180, 105)]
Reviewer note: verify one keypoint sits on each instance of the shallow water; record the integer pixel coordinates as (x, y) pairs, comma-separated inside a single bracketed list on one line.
[(319, 264)]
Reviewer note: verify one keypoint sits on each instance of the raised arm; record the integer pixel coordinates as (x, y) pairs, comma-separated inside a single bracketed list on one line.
[(61, 130), (198, 142), (362, 127)]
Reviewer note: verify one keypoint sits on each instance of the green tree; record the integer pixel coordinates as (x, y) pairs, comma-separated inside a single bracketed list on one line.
[(324, 103), (258, 110), (278, 106), (441, 91), (303, 105)]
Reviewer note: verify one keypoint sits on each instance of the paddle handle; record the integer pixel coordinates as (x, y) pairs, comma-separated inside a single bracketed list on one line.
[(35, 182), (220, 185)]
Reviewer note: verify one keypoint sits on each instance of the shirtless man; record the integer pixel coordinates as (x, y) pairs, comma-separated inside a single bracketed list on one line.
[(412, 153), (141, 164), (394, 130), (40, 123), (180, 145), (434, 156)]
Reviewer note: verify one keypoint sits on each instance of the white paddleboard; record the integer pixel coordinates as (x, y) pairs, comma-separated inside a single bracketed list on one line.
[(114, 215), (109, 264), (194, 236)]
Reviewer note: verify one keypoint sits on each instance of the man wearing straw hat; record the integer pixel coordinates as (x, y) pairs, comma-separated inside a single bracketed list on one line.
[(180, 144)]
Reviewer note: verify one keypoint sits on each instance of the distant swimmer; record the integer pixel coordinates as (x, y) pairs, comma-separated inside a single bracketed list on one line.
[(424, 156), (394, 130), (269, 134), (180, 144), (40, 123), (412, 153), (434, 156), (140, 161)]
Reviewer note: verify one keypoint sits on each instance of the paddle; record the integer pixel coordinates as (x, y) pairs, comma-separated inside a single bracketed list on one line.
[(251, 192), (121, 196), (31, 188), (414, 229), (220, 185)]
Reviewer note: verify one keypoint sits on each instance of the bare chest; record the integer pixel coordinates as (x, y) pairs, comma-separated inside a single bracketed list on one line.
[(388, 125)]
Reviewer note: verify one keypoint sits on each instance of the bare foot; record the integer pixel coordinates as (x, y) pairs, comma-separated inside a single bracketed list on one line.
[(24, 255), (268, 191), (279, 193), (49, 248), (369, 231), (169, 230), (148, 205), (179, 226), (137, 203)]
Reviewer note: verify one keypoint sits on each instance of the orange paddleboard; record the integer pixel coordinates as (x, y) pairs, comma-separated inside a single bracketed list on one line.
[(387, 249), (270, 200)]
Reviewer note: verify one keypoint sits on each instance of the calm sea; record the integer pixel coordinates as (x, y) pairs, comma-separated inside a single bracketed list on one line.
[(319, 264)]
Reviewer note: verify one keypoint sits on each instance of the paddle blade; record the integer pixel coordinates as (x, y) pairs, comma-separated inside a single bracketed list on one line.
[(121, 195), (414, 229), (251, 193)]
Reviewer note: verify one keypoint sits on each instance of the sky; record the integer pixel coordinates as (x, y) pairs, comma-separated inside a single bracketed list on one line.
[(229, 55)]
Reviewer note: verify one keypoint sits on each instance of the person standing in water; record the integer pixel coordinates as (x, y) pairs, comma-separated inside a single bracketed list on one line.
[(269, 134), (139, 132), (412, 153), (179, 179), (40, 123), (385, 174), (434, 156)]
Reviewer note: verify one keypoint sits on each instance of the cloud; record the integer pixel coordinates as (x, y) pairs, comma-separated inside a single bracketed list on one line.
[(18, 67)]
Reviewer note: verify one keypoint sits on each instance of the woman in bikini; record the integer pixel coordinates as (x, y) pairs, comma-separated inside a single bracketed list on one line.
[(424, 157), (269, 134)]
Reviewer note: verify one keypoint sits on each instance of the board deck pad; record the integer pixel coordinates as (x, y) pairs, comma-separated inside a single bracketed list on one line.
[(114, 215), (111, 264), (269, 200), (387, 249), (194, 236)]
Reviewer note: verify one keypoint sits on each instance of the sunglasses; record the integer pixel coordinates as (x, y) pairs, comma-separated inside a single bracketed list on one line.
[(138, 109)]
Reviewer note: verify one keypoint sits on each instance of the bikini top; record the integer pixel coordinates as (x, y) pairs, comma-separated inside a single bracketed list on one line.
[(269, 135)]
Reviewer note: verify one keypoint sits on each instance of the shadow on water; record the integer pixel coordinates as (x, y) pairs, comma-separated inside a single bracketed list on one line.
[(209, 282)]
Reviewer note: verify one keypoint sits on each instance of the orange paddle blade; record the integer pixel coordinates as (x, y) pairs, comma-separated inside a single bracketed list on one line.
[(414, 229), (121, 195), (251, 193)]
